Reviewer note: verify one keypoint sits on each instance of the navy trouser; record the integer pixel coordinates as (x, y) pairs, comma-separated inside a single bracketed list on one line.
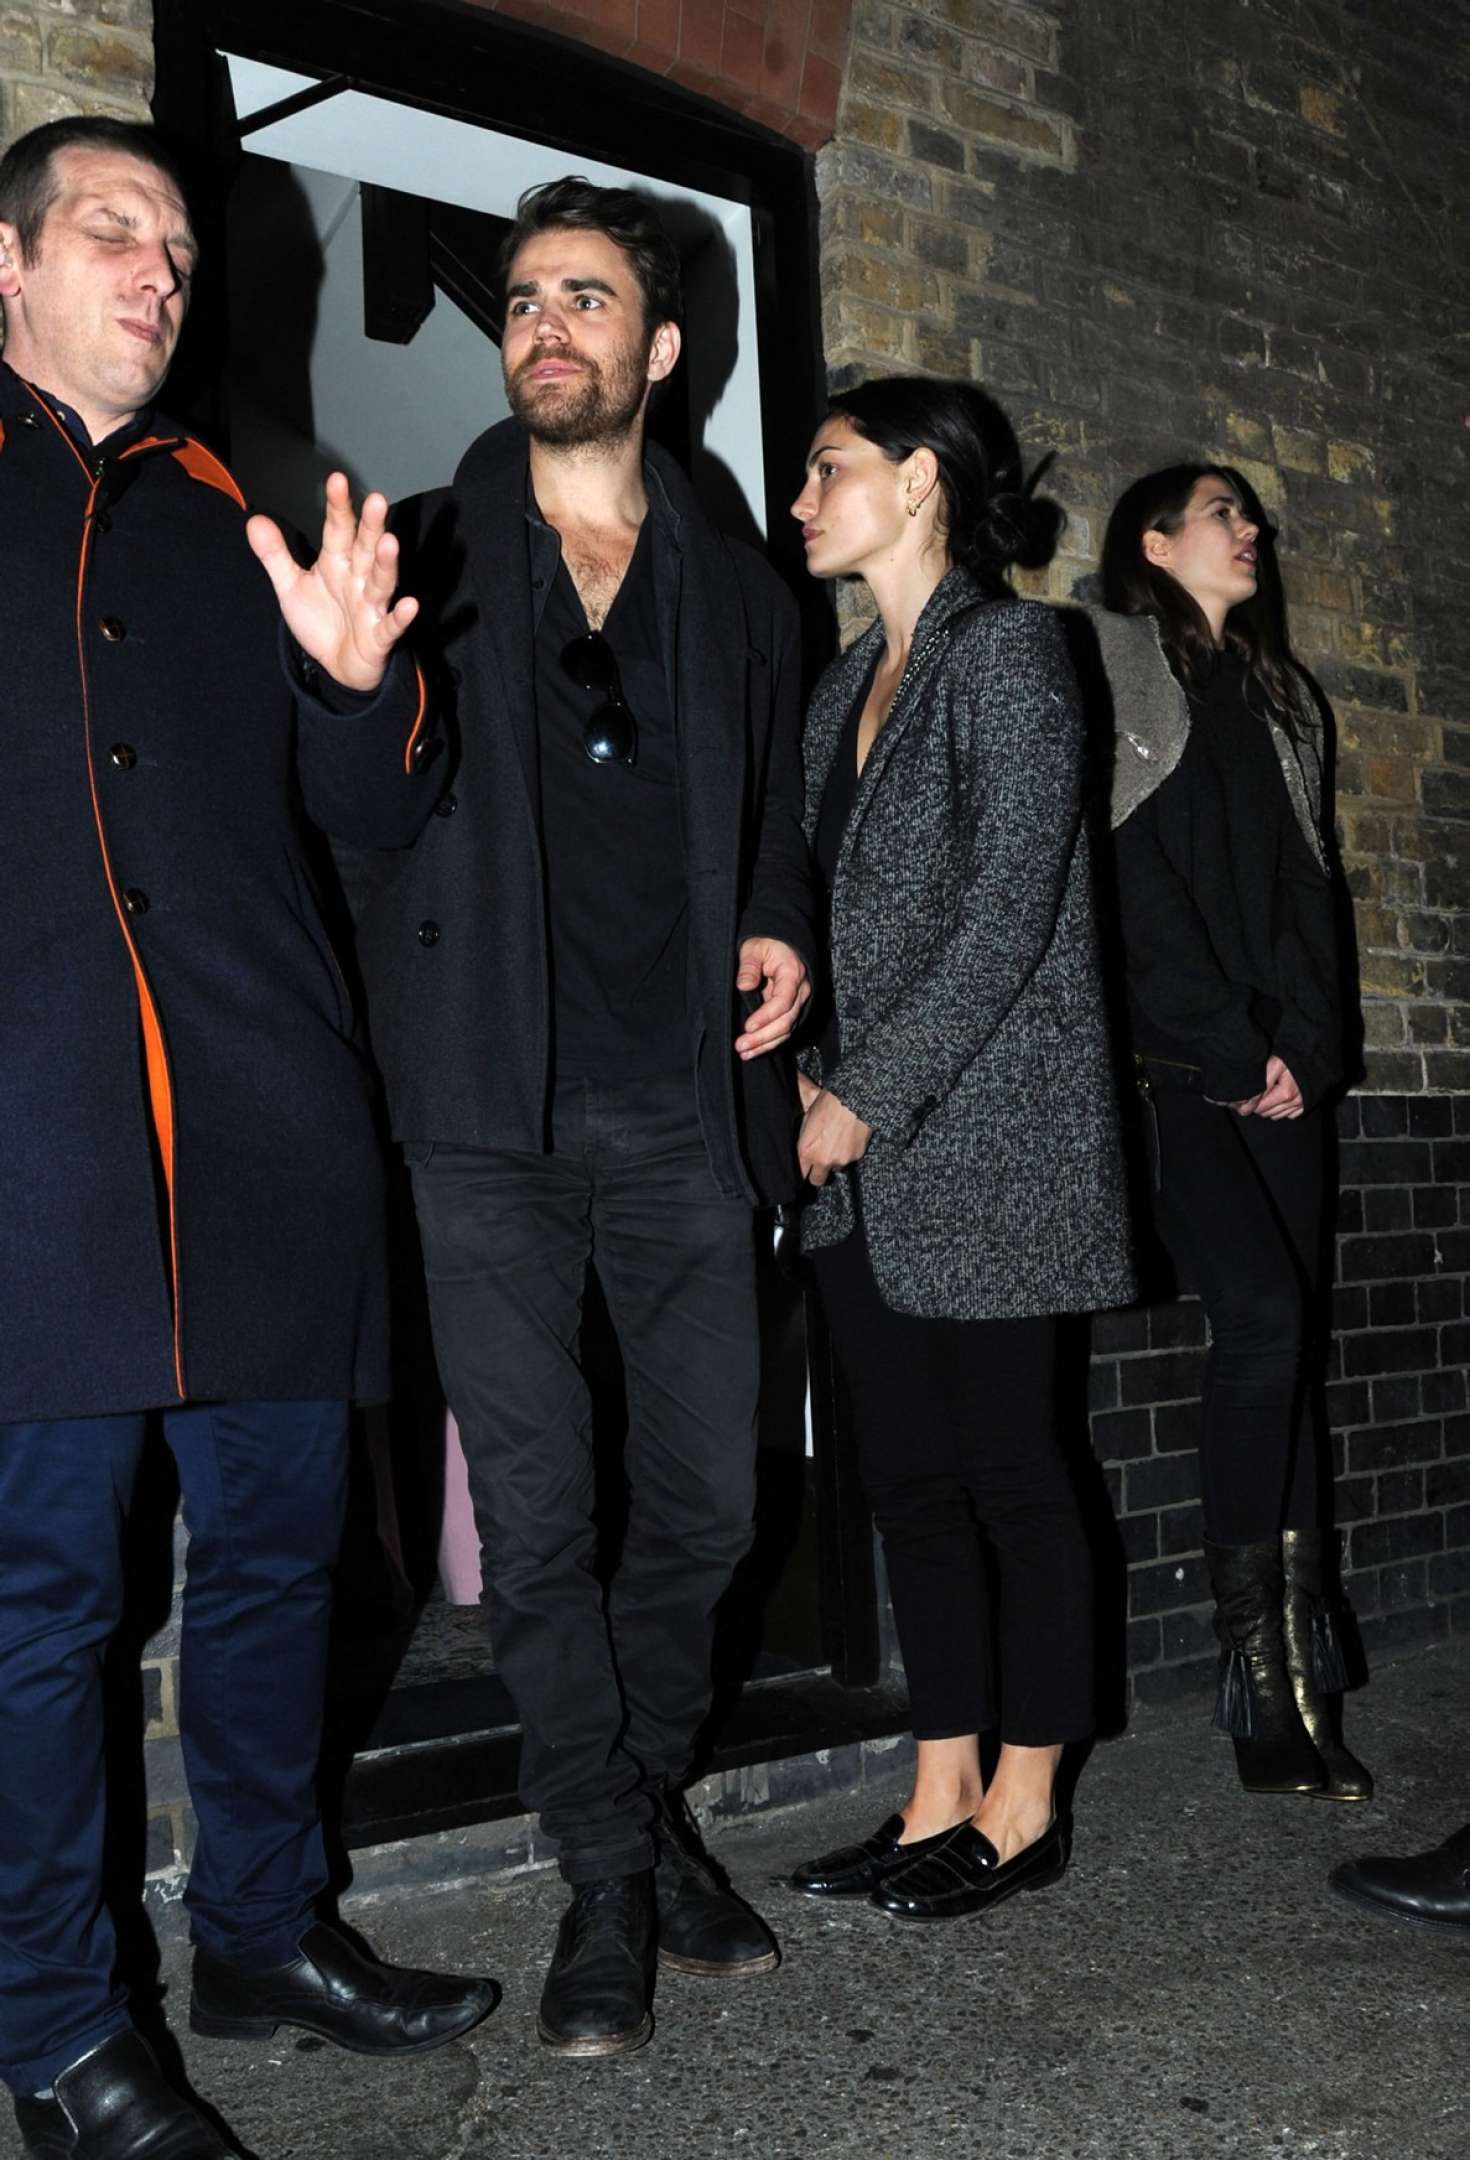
[(610, 1695), (264, 1488)]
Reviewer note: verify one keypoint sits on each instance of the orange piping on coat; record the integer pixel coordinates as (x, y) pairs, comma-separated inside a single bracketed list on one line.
[(160, 1082)]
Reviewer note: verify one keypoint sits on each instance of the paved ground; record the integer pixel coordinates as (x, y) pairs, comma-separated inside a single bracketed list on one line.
[(1190, 1990)]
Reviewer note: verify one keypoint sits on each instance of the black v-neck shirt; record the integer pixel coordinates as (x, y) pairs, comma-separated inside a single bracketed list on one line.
[(617, 895)]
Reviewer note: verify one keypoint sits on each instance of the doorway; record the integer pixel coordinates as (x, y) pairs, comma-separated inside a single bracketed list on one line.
[(370, 168)]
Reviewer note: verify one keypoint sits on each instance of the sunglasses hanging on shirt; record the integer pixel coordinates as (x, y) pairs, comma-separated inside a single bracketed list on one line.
[(610, 733)]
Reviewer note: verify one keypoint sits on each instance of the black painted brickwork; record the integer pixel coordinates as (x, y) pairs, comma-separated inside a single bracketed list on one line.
[(1396, 1396)]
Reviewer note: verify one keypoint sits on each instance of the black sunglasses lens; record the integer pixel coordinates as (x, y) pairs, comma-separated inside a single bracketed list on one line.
[(589, 662), (608, 737)]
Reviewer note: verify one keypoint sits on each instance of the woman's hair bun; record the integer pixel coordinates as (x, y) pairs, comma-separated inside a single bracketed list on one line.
[(992, 517), (1016, 526)]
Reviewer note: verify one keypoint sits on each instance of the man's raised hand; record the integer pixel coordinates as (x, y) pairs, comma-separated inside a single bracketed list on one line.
[(341, 611)]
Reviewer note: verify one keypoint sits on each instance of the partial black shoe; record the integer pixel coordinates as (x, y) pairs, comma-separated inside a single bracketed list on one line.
[(116, 2104), (600, 1980), (703, 1927), (1314, 1658), (1431, 1888), (857, 1870), (1256, 1704), (965, 1874), (332, 1990)]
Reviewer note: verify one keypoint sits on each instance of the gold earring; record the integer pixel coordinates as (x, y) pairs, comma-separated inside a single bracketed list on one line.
[(913, 509)]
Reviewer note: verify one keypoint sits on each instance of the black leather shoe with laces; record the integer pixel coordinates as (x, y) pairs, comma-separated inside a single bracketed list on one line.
[(116, 2104), (703, 1927), (332, 1990), (595, 2001)]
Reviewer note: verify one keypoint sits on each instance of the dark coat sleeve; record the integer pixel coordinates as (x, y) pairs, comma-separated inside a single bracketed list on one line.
[(370, 770), (1016, 716), (781, 902)]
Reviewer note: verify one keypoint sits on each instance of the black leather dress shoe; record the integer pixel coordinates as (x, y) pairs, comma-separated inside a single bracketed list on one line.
[(703, 1927), (857, 1870), (332, 1990), (116, 2104), (1432, 1888), (964, 1874), (595, 2001)]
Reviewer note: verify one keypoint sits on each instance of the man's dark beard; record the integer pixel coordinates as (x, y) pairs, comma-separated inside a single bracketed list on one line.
[(593, 408)]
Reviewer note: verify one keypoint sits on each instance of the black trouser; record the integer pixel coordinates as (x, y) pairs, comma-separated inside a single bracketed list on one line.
[(610, 1694), (956, 1434), (1240, 1208)]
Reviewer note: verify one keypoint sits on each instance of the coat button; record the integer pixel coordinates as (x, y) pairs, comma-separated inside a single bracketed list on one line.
[(428, 933), (424, 754), (135, 900), (123, 756), (446, 806), (113, 630), (30, 420)]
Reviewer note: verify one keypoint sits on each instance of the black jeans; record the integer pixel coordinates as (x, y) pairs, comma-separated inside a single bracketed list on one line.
[(610, 1693), (956, 1434), (1239, 1205)]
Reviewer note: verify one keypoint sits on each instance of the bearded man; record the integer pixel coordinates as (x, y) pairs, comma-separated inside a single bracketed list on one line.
[(577, 978)]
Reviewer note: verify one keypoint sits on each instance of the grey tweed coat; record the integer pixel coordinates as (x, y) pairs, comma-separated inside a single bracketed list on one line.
[(965, 972)]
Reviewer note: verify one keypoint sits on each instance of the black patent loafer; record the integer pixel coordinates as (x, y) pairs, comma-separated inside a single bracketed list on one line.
[(857, 1870), (116, 2104), (703, 1927), (1430, 1888), (332, 1990), (965, 1874), (600, 1980)]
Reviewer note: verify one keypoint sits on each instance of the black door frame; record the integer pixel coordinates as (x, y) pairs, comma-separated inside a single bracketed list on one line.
[(454, 58)]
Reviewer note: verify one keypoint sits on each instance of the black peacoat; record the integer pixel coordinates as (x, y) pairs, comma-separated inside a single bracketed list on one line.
[(452, 935), (190, 1186)]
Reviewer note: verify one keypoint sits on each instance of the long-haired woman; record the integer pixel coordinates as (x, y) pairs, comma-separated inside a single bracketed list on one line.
[(1227, 917), (960, 1124)]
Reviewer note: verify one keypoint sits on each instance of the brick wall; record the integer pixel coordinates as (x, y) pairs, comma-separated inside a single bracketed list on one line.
[(1158, 231), (776, 61), (1155, 230), (77, 56)]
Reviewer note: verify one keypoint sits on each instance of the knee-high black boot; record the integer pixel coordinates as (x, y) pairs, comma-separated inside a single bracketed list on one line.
[(1256, 1705), (1314, 1660)]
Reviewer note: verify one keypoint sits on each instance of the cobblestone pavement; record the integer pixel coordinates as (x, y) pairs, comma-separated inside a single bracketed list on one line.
[(1189, 1990)]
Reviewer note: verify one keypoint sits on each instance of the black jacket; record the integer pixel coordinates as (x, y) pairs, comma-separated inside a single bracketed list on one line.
[(1226, 909), (452, 932), (190, 1188)]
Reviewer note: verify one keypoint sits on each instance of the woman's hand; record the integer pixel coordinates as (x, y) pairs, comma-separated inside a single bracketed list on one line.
[(831, 1137), (1283, 1098)]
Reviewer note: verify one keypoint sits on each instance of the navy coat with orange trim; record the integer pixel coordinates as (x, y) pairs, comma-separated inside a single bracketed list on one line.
[(190, 1184)]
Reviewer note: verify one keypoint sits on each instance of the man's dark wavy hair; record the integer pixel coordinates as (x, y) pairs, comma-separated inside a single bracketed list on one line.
[(628, 220), (28, 181)]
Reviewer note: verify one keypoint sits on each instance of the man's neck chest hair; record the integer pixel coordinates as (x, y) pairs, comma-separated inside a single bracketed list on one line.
[(597, 562)]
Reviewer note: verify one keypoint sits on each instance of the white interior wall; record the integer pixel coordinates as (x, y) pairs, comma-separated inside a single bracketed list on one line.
[(357, 137)]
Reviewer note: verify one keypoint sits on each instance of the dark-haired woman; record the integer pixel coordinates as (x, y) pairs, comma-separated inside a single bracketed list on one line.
[(960, 1124), (1233, 969)]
